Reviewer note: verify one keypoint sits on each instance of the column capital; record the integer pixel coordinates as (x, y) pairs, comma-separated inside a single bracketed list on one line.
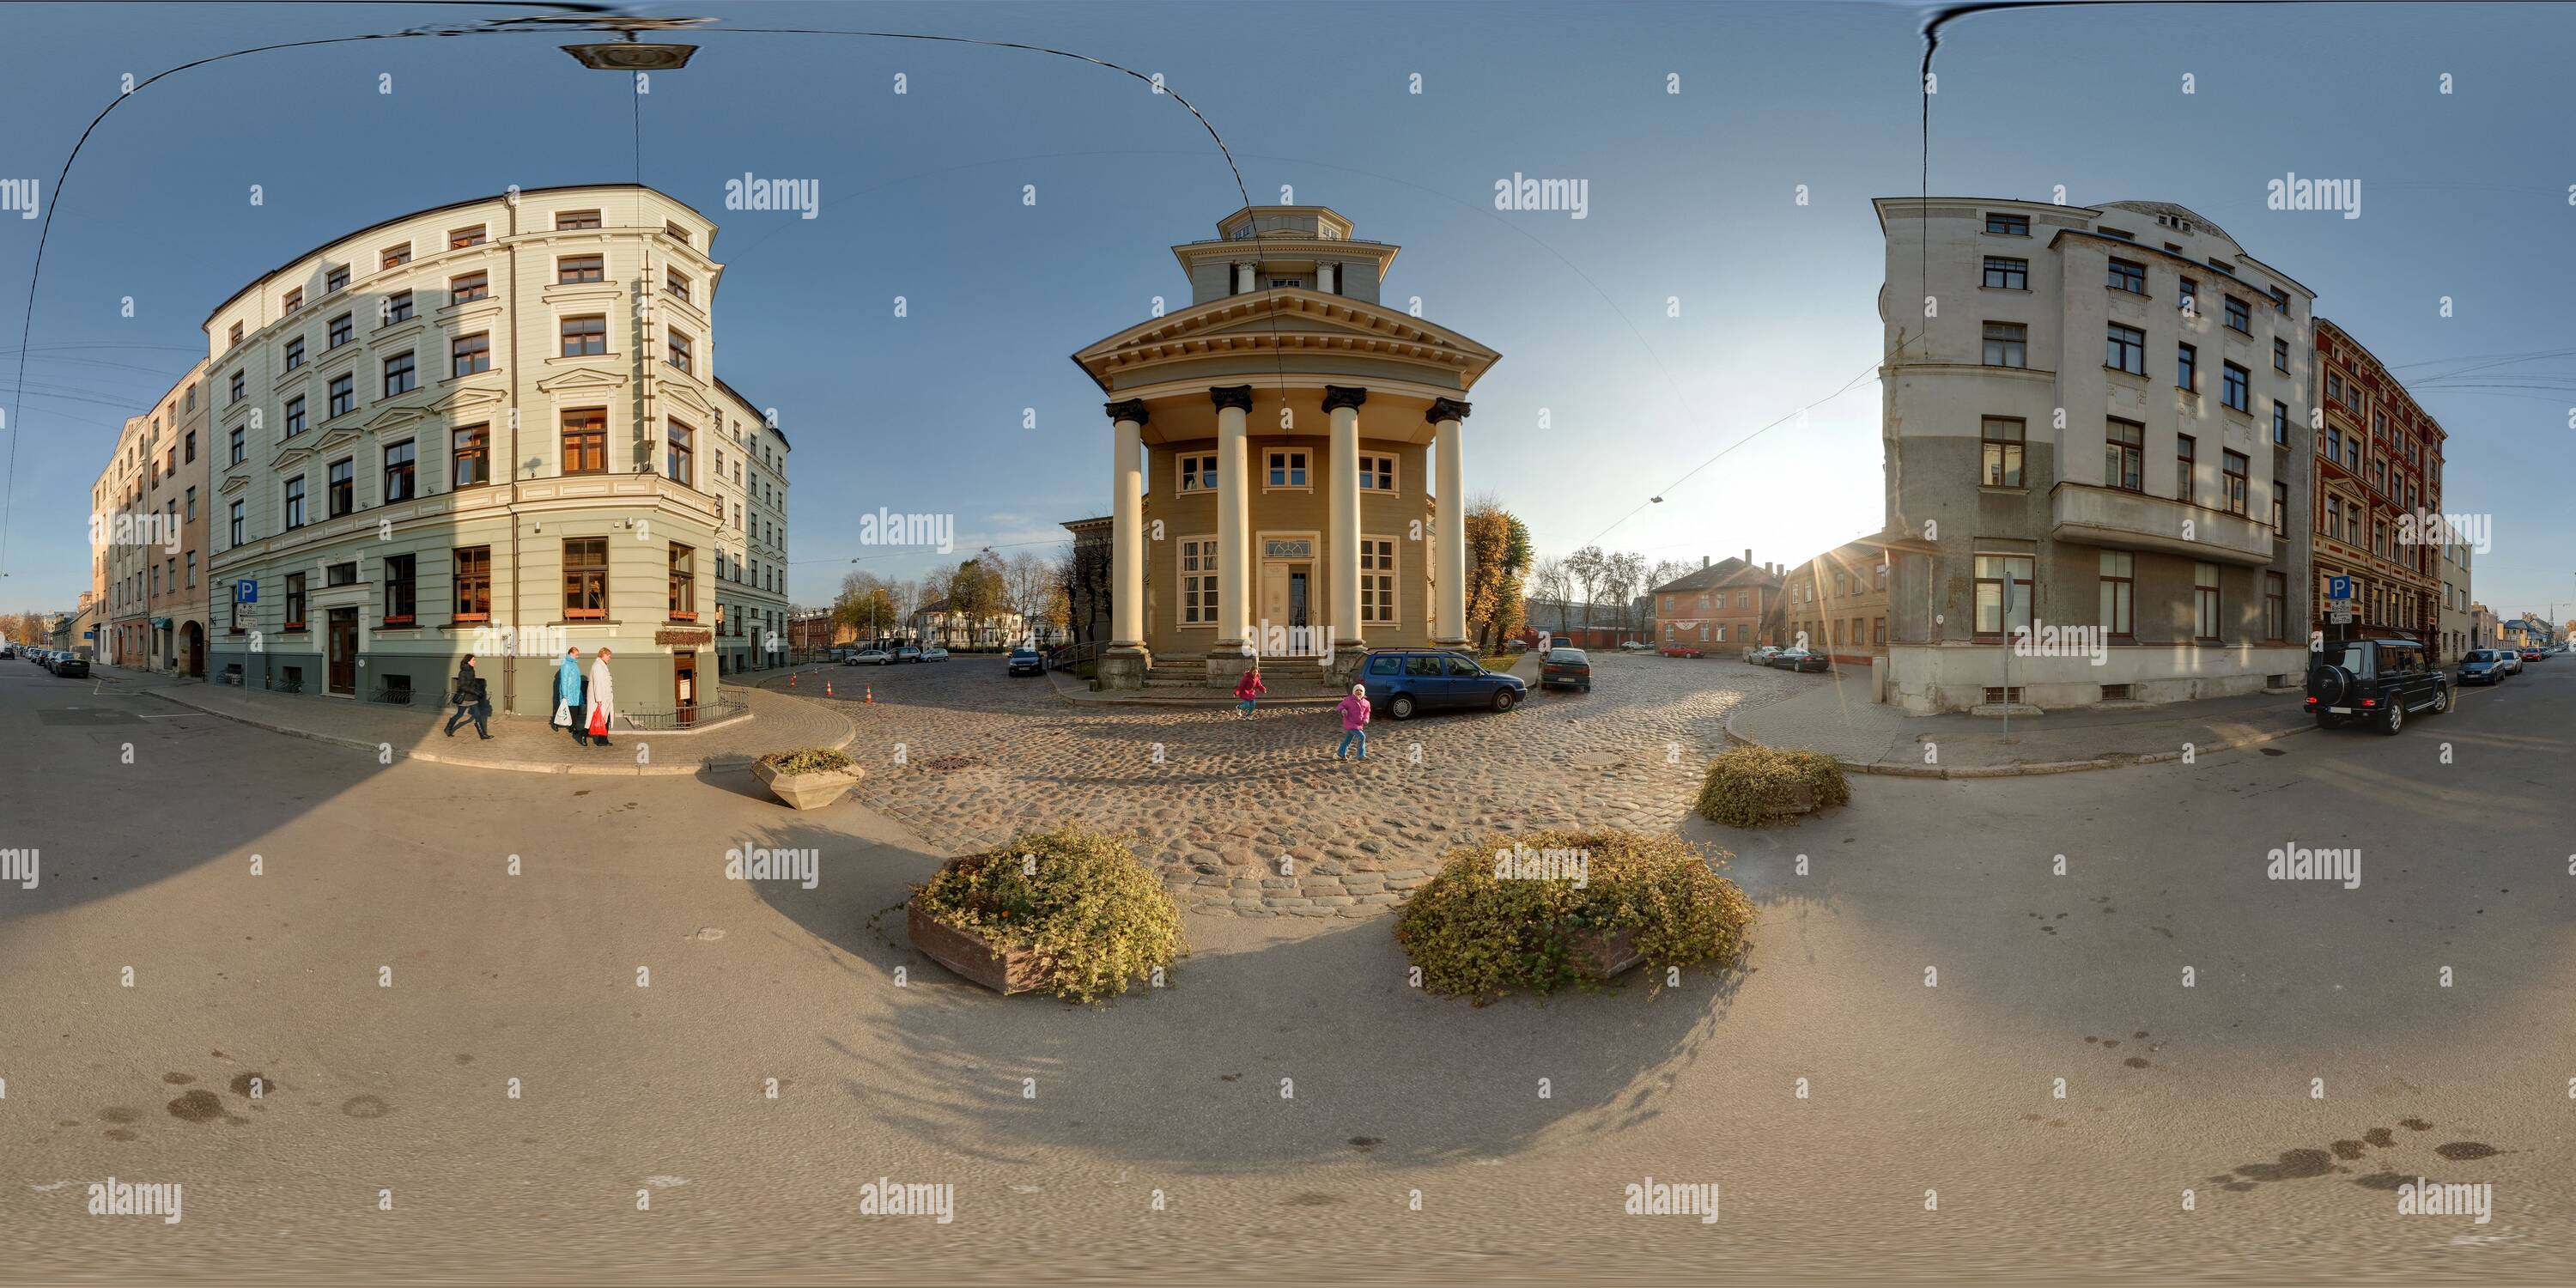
[(1126, 409), (1238, 397), (1340, 396), (1446, 409)]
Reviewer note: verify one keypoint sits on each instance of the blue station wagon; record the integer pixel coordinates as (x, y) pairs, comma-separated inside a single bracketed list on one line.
[(1403, 681)]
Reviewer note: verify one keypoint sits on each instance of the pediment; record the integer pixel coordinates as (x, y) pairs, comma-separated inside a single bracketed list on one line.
[(686, 395), (581, 378), (1287, 318), (234, 484)]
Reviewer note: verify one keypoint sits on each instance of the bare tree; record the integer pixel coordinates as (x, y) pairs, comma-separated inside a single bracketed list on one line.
[(1621, 575), (1552, 586), (1587, 567)]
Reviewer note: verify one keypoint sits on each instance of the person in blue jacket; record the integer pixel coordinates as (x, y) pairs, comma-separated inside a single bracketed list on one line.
[(568, 693)]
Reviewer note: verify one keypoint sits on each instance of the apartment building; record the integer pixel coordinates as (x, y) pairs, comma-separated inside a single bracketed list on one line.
[(124, 548), (2092, 419), (751, 568), (1836, 603), (2459, 626), (486, 428), (1720, 604), (2379, 497)]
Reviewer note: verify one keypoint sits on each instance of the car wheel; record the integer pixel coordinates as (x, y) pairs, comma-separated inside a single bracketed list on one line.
[(2441, 699), (2395, 720), (1504, 698), (1400, 706)]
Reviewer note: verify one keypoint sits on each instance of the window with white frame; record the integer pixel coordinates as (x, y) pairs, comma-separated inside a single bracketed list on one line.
[(1377, 473), (1287, 470), (1198, 581), (1377, 581), (1198, 473)]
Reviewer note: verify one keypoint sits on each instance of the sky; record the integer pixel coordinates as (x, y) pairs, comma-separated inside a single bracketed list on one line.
[(1663, 345)]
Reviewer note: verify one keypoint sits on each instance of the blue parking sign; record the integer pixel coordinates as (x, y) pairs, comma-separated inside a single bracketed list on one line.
[(246, 591), (2338, 587)]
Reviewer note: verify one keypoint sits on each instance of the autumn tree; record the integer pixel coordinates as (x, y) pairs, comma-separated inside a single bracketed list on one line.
[(1498, 558)]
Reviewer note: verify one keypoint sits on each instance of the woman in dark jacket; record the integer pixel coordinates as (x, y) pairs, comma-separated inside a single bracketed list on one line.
[(469, 700)]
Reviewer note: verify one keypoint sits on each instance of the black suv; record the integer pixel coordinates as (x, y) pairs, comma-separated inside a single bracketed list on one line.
[(2379, 680)]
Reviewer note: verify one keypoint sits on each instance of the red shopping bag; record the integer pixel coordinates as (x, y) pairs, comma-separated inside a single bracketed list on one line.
[(598, 721)]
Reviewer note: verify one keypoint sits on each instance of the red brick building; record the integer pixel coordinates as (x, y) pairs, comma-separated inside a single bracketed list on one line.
[(2378, 482), (1716, 607)]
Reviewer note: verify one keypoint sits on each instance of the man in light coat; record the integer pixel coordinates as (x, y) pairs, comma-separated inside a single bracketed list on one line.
[(603, 699), (568, 692)]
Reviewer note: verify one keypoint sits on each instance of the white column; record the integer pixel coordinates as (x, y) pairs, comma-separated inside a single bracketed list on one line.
[(1449, 550), (1342, 535), (1243, 279), (1324, 274), (1233, 534), (1127, 529)]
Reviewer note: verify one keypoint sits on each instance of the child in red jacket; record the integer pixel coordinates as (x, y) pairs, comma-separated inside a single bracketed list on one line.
[(1248, 690)]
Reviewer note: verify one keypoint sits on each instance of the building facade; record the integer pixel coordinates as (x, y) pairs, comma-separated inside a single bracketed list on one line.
[(2092, 419), (124, 552), (2459, 629), (2379, 492), (484, 428), (750, 482), (1716, 605), (151, 551), (1836, 603), (1276, 449)]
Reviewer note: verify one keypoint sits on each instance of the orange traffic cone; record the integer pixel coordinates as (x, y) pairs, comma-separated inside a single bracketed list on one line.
[(791, 678), (872, 694), (827, 688)]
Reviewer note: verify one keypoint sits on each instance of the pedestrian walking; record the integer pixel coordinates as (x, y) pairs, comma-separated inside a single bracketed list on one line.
[(470, 702), (1248, 690), (1355, 718), (603, 699), (569, 708)]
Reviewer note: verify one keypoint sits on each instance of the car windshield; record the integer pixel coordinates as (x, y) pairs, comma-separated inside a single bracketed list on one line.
[(1566, 655), (2482, 655)]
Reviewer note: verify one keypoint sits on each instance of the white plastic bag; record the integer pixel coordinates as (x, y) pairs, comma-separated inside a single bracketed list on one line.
[(563, 714)]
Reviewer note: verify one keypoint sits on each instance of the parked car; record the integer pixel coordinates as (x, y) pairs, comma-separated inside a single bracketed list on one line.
[(2482, 666), (1402, 682), (1635, 646), (1682, 650), (2512, 660), (1762, 655), (71, 664), (907, 653), (2378, 680), (871, 657), (1798, 659), (1565, 668), (2532, 655), (933, 654), (1027, 661)]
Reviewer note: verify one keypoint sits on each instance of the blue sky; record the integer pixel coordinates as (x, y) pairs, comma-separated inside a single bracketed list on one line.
[(1691, 196)]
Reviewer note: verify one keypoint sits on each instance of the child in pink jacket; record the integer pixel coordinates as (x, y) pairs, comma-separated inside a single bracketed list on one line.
[(1355, 718), (1248, 690)]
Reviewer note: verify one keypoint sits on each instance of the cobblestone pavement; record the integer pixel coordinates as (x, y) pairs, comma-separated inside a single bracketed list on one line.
[(1216, 802)]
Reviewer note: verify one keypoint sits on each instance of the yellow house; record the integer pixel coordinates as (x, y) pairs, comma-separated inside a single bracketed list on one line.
[(1281, 448)]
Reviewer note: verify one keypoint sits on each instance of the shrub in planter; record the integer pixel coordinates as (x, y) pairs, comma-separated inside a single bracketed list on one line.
[(1076, 909), (809, 778), (1509, 915), (1762, 786)]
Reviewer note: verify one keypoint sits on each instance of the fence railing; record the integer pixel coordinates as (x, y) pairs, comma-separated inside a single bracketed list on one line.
[(681, 718)]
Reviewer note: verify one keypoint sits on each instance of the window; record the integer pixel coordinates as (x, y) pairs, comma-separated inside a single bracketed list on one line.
[(1878, 630), (2186, 456), (585, 562), (465, 287), (1288, 469), (236, 526), (191, 444), (238, 448), (1198, 582), (2235, 386), (192, 503), (2280, 423), (192, 567), (2280, 355), (585, 337), (2127, 350), (2280, 300), (684, 583), (2190, 297), (2222, 267), (295, 601), (295, 353), (679, 351), (2002, 441), (459, 239), (2124, 461), (399, 473), (2240, 317), (2007, 274), (2232, 470), (2119, 593), (2007, 344), (192, 397), (1198, 474), (581, 268), (2334, 517), (1377, 473), (401, 603), (2008, 225), (1994, 573), (2280, 509), (295, 503), (470, 460), (2334, 444), (2276, 606), (341, 492), (474, 584), (399, 377), (469, 354), (2352, 453), (575, 220), (676, 233), (236, 336), (336, 279), (2204, 602), (2129, 277), (1377, 581), (397, 256), (676, 284), (294, 300), (677, 464), (240, 386), (343, 328), (397, 308), (585, 441), (2334, 385), (2186, 367)]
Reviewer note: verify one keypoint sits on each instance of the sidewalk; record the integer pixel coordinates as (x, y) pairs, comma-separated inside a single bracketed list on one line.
[(525, 744), (1837, 718)]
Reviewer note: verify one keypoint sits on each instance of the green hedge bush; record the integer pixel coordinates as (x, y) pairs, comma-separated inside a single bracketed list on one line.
[(1480, 935), (808, 760), (1763, 786), (1095, 916)]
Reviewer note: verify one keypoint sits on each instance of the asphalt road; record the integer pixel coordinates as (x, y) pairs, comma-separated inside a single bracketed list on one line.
[(2316, 1060)]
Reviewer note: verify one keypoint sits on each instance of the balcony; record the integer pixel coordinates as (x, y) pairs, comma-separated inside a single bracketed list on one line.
[(2103, 516)]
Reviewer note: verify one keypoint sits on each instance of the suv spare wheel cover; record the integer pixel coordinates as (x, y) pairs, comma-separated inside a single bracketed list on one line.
[(2328, 682)]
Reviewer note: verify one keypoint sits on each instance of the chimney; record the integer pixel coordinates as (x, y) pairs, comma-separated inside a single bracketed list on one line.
[(1748, 557), (1703, 561)]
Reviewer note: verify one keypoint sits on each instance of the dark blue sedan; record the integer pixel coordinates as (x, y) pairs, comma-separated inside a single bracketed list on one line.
[(1404, 681)]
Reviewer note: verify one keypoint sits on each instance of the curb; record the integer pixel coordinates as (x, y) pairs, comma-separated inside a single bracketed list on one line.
[(2026, 768)]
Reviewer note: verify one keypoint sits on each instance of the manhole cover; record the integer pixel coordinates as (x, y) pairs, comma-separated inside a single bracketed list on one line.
[(950, 764)]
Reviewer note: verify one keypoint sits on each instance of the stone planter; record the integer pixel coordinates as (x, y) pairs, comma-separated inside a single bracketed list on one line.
[(809, 790), (1614, 954), (1003, 970)]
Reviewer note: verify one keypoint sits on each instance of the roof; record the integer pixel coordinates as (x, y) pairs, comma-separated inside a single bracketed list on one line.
[(2170, 211), (1721, 573), (747, 402)]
